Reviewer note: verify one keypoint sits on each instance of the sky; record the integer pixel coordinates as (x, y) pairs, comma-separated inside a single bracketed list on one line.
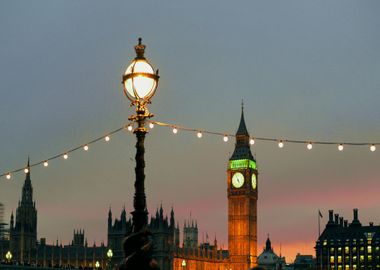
[(306, 70)]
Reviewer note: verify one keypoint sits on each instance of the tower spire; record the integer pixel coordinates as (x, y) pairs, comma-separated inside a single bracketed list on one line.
[(242, 147), (242, 130)]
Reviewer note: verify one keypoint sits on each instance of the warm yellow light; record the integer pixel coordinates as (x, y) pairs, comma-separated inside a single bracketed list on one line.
[(97, 264), (8, 256), (46, 164), (225, 138), (281, 144), (372, 148), (129, 127), (252, 141), (26, 170), (340, 147), (175, 130), (65, 156), (183, 263), (8, 176), (85, 147), (107, 138), (199, 134), (309, 146), (109, 253), (151, 125), (140, 86)]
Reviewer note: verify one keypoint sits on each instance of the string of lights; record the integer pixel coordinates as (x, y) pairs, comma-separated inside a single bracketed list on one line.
[(199, 133)]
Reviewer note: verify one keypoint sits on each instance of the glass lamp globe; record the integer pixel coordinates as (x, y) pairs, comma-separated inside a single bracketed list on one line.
[(109, 253), (140, 80)]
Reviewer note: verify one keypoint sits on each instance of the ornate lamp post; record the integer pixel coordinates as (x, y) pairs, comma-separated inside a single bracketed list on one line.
[(140, 83), (97, 265), (109, 256)]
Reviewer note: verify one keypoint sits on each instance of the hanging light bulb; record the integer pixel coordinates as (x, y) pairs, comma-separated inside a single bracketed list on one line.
[(107, 138), (340, 147), (151, 125), (281, 144), (129, 127), (8, 176), (85, 147), (309, 146), (46, 163), (372, 148), (252, 141), (65, 156), (225, 138), (199, 134), (175, 130), (26, 170)]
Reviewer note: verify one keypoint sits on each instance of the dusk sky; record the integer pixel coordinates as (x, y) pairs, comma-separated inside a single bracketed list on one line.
[(306, 70)]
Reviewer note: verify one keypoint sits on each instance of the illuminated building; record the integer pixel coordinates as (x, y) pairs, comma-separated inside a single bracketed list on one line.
[(348, 246), (242, 186)]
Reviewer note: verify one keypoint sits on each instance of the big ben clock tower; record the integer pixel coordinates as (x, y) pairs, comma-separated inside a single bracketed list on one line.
[(242, 202)]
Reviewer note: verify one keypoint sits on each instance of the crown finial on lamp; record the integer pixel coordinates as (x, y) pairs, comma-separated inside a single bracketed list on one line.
[(140, 49)]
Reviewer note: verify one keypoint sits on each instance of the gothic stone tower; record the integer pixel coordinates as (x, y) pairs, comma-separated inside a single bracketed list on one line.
[(242, 202), (23, 234)]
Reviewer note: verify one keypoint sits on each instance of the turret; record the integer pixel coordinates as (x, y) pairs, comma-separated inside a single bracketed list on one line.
[(172, 221), (12, 221), (109, 219)]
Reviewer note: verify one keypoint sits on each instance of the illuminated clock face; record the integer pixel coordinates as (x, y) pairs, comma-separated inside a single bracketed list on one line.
[(254, 181), (238, 180)]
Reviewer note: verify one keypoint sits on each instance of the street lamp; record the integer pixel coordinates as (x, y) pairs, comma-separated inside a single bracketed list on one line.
[(140, 83), (109, 256), (8, 256), (97, 265)]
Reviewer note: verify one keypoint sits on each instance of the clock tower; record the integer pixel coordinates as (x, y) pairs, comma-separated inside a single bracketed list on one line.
[(242, 202)]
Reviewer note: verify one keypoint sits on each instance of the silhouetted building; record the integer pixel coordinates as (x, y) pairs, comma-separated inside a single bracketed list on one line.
[(304, 262), (348, 246), (27, 250), (23, 233), (269, 260)]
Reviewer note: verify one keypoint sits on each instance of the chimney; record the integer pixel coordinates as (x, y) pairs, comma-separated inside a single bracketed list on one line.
[(355, 221), (356, 214), (336, 218), (346, 223), (331, 216), (341, 221)]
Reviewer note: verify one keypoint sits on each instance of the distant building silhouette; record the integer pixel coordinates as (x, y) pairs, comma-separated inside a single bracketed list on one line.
[(27, 250), (269, 260), (23, 232), (304, 262), (348, 246)]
